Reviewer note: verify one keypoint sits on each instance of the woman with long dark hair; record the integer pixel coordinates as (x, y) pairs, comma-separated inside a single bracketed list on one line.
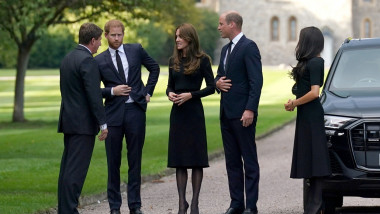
[(310, 154), (188, 66)]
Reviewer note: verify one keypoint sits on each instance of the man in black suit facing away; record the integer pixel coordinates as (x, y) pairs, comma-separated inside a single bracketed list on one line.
[(239, 80), (82, 115), (125, 105)]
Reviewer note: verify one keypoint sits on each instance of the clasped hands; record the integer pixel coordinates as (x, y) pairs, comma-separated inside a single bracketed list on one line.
[(179, 99), (289, 106)]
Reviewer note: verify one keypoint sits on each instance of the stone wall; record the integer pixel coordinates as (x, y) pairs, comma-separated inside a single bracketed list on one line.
[(333, 17), (362, 10)]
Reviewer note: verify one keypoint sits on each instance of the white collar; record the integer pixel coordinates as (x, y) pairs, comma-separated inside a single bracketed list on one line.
[(86, 48), (113, 51), (237, 38)]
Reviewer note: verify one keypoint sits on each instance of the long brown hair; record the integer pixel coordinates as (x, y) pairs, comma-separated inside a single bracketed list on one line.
[(193, 51), (310, 45)]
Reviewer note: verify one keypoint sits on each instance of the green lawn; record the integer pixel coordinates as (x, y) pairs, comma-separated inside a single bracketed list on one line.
[(30, 152)]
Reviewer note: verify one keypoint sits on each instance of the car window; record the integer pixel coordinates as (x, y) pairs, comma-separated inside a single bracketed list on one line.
[(357, 73)]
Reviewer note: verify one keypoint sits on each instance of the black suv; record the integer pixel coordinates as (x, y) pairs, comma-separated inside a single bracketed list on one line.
[(351, 101)]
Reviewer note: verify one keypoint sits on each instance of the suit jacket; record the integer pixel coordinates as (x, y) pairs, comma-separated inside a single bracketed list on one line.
[(245, 72), (136, 56), (82, 110)]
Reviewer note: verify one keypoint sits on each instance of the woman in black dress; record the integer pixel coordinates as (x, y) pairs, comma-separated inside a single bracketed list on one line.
[(310, 154), (187, 136)]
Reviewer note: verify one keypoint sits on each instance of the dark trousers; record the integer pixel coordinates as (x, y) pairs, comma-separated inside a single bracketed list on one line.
[(241, 162), (74, 166), (133, 129), (314, 199)]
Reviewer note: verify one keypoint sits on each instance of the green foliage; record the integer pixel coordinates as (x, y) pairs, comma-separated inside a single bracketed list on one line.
[(160, 43), (8, 51), (49, 51), (208, 31), (26, 21)]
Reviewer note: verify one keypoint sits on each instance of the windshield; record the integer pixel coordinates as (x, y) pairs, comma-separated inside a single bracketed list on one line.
[(357, 73)]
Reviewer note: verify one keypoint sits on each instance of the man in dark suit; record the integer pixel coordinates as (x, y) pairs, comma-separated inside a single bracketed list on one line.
[(125, 105), (239, 80), (82, 114)]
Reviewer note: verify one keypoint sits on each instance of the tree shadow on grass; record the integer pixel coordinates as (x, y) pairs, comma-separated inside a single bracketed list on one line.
[(31, 124)]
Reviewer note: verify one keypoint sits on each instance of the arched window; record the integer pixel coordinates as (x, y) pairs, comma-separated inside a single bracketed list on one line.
[(367, 29), (292, 29), (275, 29)]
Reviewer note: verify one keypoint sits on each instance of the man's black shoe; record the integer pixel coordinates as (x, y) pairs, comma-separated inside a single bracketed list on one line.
[(232, 210), (115, 211), (249, 211), (136, 211)]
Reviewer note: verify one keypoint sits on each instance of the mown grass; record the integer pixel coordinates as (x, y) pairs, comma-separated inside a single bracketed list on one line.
[(30, 152)]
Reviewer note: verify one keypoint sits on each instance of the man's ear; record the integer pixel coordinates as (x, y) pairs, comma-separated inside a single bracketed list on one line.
[(93, 40), (232, 24)]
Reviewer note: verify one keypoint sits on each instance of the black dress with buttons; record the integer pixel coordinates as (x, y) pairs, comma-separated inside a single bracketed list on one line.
[(187, 134)]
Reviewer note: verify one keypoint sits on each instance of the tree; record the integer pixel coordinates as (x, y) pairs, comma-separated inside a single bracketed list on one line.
[(27, 20)]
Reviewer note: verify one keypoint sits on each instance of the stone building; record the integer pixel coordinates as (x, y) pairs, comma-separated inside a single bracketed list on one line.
[(275, 24)]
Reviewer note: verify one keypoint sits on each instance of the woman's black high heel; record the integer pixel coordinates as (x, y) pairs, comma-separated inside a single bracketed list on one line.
[(194, 209), (185, 210)]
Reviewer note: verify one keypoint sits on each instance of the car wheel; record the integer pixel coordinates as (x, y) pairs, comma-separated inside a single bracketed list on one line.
[(331, 202)]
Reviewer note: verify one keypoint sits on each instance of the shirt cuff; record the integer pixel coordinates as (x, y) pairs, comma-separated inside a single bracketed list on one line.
[(103, 127), (112, 91)]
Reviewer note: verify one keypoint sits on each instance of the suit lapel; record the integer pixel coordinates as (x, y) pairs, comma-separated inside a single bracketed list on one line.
[(111, 65), (130, 61), (234, 51)]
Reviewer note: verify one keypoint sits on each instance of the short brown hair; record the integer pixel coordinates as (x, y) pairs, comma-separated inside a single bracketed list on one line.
[(87, 31), (113, 23), (234, 17)]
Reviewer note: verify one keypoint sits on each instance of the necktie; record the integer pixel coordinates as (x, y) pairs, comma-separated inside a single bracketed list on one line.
[(228, 55), (120, 67)]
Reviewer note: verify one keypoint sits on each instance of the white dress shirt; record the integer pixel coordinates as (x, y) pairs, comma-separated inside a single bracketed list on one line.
[(234, 42), (124, 61)]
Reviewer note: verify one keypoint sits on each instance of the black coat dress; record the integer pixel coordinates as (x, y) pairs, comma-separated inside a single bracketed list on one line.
[(187, 135), (310, 153)]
